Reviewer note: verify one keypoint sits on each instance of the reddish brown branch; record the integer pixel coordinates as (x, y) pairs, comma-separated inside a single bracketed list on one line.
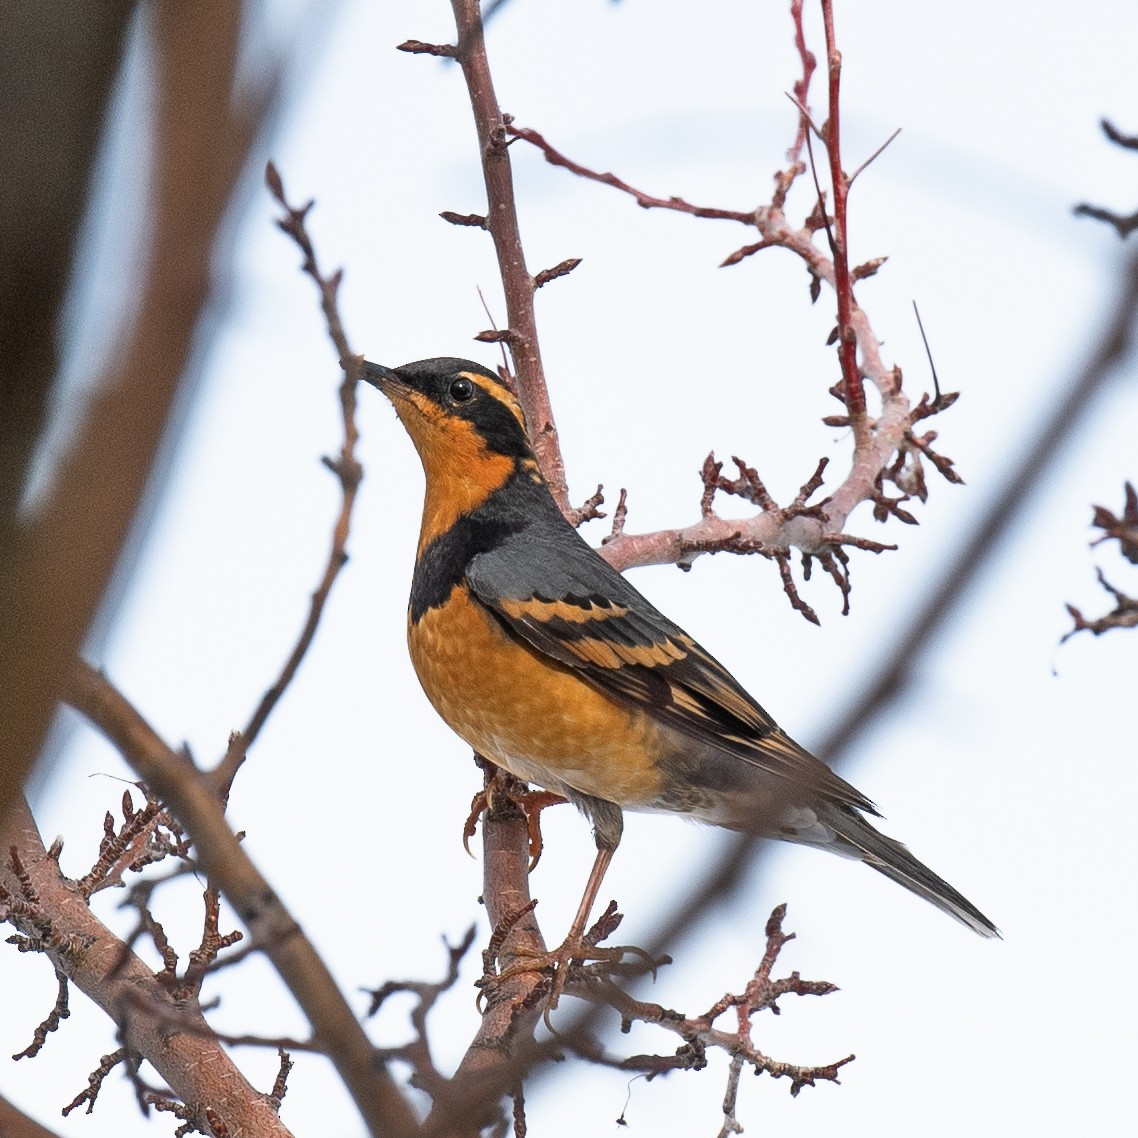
[(54, 918), (472, 220), (646, 201), (1124, 614), (417, 1051), (853, 391), (801, 92), (502, 219), (15, 1124), (418, 47), (191, 796), (502, 1050), (700, 1035)]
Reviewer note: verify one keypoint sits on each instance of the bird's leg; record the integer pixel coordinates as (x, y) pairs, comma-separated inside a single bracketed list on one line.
[(574, 942), (581, 945)]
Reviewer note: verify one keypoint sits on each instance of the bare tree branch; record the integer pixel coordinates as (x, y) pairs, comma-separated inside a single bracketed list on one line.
[(61, 559), (53, 916), (192, 798), (15, 1124), (346, 467), (1113, 345), (502, 221)]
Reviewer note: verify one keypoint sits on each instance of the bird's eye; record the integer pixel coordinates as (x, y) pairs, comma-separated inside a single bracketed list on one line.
[(461, 390)]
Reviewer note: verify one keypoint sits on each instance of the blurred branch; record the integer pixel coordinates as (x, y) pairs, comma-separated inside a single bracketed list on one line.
[(57, 64), (1124, 224), (53, 918), (61, 559), (15, 1124), (192, 798), (897, 667)]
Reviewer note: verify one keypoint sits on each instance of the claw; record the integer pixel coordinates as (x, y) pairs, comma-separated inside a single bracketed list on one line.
[(530, 802), (479, 804), (533, 802)]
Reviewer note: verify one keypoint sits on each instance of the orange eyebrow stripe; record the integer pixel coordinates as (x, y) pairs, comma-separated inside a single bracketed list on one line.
[(498, 391)]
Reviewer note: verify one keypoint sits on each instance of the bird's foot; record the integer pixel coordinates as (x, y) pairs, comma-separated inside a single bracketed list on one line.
[(579, 959), (501, 784)]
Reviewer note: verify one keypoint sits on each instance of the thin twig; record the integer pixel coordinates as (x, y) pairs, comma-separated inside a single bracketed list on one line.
[(191, 796), (346, 467)]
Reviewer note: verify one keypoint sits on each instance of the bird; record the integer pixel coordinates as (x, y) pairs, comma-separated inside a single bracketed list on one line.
[(550, 664)]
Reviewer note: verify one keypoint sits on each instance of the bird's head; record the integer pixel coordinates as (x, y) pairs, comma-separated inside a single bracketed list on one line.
[(454, 407), (468, 428)]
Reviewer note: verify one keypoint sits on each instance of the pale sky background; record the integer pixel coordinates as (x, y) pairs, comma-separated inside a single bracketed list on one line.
[(1017, 785)]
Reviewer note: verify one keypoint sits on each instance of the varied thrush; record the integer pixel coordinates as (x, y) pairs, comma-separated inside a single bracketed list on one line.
[(550, 664)]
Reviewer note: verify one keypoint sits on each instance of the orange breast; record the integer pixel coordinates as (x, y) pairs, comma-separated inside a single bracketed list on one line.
[(528, 713)]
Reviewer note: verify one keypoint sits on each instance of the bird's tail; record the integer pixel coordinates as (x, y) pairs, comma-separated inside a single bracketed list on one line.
[(857, 838)]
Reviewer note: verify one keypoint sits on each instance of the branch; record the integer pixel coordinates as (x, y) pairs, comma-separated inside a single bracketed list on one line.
[(191, 796), (852, 390), (15, 1124), (1124, 614), (1124, 224), (346, 468), (502, 221), (1123, 527), (885, 448), (53, 916), (60, 561), (503, 1048), (645, 200)]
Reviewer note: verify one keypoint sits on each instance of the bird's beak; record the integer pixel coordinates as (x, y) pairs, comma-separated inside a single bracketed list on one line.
[(379, 376)]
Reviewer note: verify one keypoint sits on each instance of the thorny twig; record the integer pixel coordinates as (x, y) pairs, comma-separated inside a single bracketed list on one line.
[(346, 467), (95, 1082), (1124, 224), (417, 1051), (1122, 528), (885, 448), (699, 1034)]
